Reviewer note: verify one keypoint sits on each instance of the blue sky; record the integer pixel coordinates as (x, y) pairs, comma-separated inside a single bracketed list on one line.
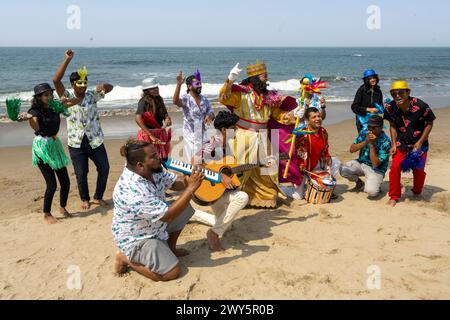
[(225, 23)]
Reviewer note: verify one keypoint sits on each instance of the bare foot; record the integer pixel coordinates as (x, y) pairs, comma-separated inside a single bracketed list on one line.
[(102, 203), (180, 252), (50, 219), (121, 264), (213, 241), (392, 203), (359, 186), (65, 213), (86, 205)]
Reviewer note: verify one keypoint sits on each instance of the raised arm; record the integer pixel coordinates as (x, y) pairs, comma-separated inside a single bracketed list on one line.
[(226, 96), (57, 78), (176, 96), (323, 111)]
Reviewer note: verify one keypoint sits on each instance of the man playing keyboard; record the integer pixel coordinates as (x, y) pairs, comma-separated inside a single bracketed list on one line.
[(228, 206), (145, 227)]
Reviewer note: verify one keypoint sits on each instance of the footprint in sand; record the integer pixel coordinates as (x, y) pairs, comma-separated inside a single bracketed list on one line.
[(430, 257), (327, 215), (334, 251)]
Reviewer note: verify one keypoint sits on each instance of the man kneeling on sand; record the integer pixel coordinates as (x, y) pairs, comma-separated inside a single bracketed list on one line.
[(374, 150), (145, 227)]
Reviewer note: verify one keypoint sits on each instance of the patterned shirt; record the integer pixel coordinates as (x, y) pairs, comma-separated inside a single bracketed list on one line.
[(410, 124), (382, 148), (138, 207), (194, 117), (212, 149), (85, 120)]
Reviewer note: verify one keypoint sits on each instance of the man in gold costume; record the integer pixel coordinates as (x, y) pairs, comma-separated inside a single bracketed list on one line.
[(255, 105)]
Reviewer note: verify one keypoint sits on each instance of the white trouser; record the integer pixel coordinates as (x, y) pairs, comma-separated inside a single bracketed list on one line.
[(225, 211), (353, 170)]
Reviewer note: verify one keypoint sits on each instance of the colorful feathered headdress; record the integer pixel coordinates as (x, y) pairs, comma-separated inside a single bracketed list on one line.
[(311, 84)]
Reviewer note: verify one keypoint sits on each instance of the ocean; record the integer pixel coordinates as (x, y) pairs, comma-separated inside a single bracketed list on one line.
[(427, 69)]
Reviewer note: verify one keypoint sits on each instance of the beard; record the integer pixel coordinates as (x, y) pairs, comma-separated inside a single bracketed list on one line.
[(158, 170), (258, 85)]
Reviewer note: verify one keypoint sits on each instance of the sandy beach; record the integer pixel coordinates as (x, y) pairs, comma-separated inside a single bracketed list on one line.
[(298, 251)]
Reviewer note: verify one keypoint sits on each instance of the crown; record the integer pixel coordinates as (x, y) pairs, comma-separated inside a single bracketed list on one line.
[(256, 69)]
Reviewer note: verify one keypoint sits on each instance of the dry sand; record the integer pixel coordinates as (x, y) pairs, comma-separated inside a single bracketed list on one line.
[(299, 251)]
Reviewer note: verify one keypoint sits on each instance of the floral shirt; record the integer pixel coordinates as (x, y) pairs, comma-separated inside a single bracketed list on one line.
[(410, 124), (194, 117), (85, 120), (138, 207), (382, 147)]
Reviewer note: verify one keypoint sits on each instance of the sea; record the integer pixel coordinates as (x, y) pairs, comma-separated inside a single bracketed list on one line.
[(426, 69)]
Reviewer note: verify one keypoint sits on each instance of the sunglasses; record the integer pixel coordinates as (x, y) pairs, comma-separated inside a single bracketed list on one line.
[(395, 93), (47, 94)]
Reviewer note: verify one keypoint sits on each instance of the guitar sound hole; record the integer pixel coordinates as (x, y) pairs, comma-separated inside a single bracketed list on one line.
[(226, 171)]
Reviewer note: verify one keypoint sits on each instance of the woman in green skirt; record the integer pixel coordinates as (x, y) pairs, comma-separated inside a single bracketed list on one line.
[(47, 151)]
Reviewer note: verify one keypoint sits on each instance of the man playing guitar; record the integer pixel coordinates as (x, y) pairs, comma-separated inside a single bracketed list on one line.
[(228, 206)]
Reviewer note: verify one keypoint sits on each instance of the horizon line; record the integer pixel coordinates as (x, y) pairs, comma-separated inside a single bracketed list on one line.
[(246, 47)]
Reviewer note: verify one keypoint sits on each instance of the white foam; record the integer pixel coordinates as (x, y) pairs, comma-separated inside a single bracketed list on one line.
[(211, 90), (24, 96)]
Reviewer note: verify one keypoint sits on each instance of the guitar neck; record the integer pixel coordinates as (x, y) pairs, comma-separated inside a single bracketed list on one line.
[(245, 167), (248, 167)]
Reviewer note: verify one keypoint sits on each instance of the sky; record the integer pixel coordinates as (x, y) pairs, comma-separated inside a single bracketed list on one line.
[(228, 23)]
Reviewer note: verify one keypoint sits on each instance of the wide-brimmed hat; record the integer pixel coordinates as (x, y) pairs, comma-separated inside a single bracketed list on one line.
[(400, 85), (41, 88), (149, 83)]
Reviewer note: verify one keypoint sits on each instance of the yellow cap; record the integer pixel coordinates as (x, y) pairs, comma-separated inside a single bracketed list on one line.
[(256, 69), (400, 85)]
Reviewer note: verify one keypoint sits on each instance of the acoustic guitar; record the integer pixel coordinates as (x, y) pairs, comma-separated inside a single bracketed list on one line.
[(211, 188)]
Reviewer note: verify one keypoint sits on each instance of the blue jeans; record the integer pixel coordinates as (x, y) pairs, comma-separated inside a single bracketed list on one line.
[(80, 160)]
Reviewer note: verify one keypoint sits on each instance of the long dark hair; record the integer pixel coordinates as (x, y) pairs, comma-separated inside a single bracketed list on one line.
[(155, 105), (36, 102), (367, 84)]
